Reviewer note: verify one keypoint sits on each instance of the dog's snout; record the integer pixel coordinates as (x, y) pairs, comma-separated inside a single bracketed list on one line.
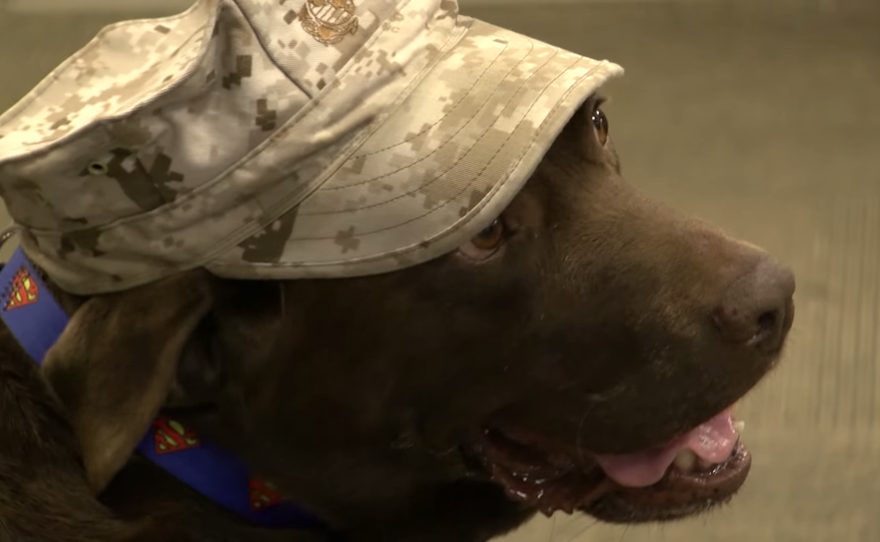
[(758, 308)]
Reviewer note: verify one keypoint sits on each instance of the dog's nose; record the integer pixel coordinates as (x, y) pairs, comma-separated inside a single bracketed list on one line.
[(758, 309)]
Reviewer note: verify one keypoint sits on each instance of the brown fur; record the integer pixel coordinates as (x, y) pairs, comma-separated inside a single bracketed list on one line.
[(590, 329)]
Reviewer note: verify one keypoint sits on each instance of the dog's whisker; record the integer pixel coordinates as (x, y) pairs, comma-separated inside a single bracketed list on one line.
[(578, 448), (606, 395), (5, 529)]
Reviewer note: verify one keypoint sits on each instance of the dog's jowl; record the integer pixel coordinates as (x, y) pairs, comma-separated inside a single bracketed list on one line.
[(357, 270)]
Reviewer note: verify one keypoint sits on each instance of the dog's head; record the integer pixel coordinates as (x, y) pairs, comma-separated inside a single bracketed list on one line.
[(571, 352)]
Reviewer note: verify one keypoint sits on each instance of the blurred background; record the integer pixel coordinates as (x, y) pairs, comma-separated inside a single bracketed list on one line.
[(760, 115)]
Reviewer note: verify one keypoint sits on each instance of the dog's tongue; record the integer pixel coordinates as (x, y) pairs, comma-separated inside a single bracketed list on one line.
[(712, 442)]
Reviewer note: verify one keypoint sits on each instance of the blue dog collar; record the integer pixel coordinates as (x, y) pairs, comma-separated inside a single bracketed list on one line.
[(37, 320)]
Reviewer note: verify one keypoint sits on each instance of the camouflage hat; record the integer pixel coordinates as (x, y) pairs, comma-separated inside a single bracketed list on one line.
[(281, 139)]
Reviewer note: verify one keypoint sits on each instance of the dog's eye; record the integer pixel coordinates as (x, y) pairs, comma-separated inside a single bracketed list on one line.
[(485, 243), (490, 238), (600, 122)]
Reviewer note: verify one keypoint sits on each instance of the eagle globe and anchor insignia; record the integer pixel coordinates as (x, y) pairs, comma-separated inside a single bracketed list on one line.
[(329, 21)]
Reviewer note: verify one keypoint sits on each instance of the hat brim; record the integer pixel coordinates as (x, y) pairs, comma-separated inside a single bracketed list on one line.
[(441, 167)]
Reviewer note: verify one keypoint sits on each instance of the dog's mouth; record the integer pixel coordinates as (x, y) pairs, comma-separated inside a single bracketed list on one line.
[(696, 471)]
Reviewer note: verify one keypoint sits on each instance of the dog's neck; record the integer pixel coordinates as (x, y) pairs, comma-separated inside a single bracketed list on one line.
[(36, 311)]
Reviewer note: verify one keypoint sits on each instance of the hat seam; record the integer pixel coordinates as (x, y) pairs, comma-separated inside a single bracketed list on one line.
[(444, 173), (425, 130), (470, 90), (477, 175), (266, 50)]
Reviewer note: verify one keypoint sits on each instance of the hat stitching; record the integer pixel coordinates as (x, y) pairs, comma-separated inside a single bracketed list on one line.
[(441, 175), (432, 153), (479, 206), (429, 127), (445, 233), (453, 198)]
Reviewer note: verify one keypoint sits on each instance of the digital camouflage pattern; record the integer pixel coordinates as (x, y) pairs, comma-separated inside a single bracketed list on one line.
[(281, 139)]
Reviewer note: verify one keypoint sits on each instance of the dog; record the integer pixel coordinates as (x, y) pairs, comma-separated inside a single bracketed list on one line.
[(581, 351)]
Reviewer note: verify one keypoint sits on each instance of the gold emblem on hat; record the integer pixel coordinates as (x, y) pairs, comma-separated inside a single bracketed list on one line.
[(329, 21)]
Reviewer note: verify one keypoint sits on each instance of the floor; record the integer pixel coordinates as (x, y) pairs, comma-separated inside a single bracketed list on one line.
[(765, 120)]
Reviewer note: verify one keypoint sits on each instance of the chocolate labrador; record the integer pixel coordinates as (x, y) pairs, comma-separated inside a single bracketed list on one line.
[(312, 270), (560, 360)]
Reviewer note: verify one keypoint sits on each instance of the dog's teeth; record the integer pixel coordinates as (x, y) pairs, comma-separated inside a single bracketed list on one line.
[(685, 461), (739, 425), (705, 465)]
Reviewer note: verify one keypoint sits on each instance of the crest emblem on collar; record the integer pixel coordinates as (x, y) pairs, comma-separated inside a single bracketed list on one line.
[(329, 21)]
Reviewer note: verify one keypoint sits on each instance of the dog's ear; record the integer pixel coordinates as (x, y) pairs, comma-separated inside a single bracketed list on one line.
[(116, 362)]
